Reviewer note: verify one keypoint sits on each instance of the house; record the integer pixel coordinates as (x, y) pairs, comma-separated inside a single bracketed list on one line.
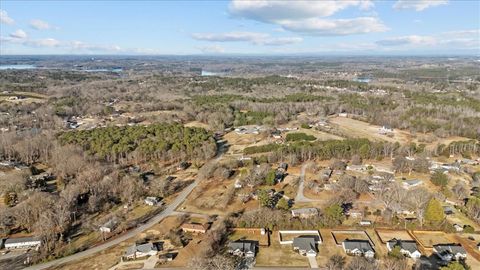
[(305, 212), (358, 168), (458, 227), (358, 248), (385, 130), (151, 201), (365, 222), (449, 252), (109, 226), (194, 228), (305, 245), (238, 184), (407, 247), (283, 166), (143, 250), (412, 183), (276, 134), (326, 174), (243, 248), (22, 243)]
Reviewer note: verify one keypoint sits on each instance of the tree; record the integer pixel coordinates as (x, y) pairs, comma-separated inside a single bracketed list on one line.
[(264, 198), (283, 204), (434, 211), (270, 178), (453, 266), (336, 262), (439, 179), (334, 214), (396, 253)]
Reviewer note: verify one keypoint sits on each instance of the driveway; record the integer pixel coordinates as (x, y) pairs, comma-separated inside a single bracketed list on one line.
[(300, 197), (312, 261)]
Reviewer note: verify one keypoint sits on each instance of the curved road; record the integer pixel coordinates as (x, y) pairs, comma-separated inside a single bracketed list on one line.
[(300, 197)]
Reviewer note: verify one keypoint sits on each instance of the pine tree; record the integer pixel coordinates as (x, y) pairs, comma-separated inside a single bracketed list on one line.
[(434, 211)]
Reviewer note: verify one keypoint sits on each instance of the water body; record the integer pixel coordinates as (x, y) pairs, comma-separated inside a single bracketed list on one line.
[(5, 67), (209, 73)]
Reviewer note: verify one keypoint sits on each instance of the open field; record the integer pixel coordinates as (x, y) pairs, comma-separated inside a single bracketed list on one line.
[(279, 255), (387, 235), (430, 238), (249, 234), (343, 235), (320, 135)]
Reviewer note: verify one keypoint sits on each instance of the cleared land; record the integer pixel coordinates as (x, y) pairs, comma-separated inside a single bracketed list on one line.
[(343, 235), (279, 255), (386, 235), (428, 238)]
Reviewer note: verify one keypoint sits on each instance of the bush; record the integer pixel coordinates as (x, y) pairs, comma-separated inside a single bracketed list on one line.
[(300, 136), (439, 179)]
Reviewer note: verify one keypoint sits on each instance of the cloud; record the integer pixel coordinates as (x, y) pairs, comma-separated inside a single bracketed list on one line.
[(4, 18), (82, 46), (252, 37), (212, 49), (338, 27), (418, 5), (41, 25), (45, 42), (274, 11), (307, 17), (463, 39), (19, 34), (407, 40)]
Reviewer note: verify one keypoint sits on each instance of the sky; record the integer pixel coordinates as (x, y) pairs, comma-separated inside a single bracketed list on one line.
[(251, 27)]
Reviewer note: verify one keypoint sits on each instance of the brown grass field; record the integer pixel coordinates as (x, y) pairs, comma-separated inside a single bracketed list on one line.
[(342, 235), (429, 238), (387, 235)]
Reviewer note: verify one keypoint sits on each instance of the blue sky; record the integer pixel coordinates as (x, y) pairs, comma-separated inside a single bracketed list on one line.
[(240, 27)]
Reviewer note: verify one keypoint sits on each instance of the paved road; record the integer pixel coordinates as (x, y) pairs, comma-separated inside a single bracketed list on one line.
[(86, 253)]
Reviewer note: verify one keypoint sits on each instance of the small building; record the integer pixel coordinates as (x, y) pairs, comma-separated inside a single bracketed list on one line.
[(407, 247), (365, 222), (109, 226), (22, 243), (305, 212), (238, 184), (449, 252), (243, 248), (151, 201), (142, 250), (355, 213), (305, 245), (183, 165), (448, 210), (385, 130), (458, 227), (194, 228), (358, 248), (412, 183)]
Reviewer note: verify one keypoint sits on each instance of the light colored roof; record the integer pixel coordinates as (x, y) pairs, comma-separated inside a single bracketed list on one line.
[(409, 245), (305, 242), (143, 248), (362, 245), (450, 248), (242, 245), (309, 210), (194, 226), (21, 240)]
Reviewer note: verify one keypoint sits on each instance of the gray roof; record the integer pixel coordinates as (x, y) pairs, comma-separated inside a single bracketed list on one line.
[(305, 242), (143, 248), (308, 211), (242, 245), (409, 245), (21, 240), (412, 182), (362, 245), (450, 248)]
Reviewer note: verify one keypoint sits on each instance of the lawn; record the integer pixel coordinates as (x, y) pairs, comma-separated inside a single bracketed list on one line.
[(343, 235), (279, 255), (387, 235), (253, 234), (429, 238)]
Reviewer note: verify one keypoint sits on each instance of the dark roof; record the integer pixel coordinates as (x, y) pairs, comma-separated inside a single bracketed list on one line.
[(362, 245), (144, 248), (242, 245), (305, 242), (449, 248), (409, 245)]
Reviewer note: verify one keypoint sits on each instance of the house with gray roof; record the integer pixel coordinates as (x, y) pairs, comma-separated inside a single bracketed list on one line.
[(412, 183), (305, 245), (358, 248), (407, 247), (243, 248), (305, 212), (143, 250), (449, 252), (22, 243), (109, 226)]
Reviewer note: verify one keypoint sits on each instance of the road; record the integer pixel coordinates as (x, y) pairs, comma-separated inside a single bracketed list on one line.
[(154, 220), (300, 197)]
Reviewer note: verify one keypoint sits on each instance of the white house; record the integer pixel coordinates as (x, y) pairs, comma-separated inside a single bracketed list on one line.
[(449, 252), (305, 245), (243, 248), (458, 227), (22, 243), (109, 226), (151, 201), (358, 248), (143, 250), (407, 247)]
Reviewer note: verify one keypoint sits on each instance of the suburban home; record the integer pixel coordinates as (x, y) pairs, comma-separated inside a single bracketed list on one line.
[(407, 247), (305, 212), (449, 252), (143, 250), (358, 248), (194, 228), (386, 129), (151, 201), (458, 227), (358, 168), (305, 245), (243, 248), (412, 183), (109, 226), (22, 243)]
